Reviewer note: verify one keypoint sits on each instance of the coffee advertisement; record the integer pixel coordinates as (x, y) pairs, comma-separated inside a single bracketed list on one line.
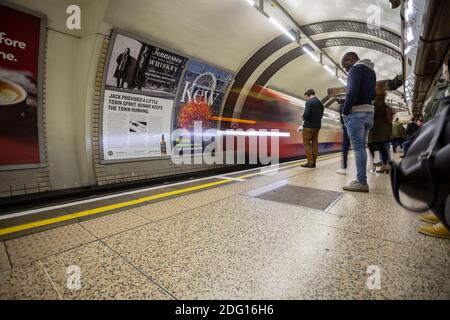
[(140, 88), (21, 38)]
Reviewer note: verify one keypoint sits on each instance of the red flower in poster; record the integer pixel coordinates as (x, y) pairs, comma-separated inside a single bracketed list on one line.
[(195, 110)]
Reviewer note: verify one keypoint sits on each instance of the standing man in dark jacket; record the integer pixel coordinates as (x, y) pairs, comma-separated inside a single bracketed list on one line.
[(358, 112), (123, 63), (312, 117)]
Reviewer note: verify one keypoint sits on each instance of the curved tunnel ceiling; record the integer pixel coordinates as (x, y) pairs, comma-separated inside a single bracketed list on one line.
[(381, 39), (325, 43), (307, 12), (235, 36), (352, 26), (247, 70), (358, 42)]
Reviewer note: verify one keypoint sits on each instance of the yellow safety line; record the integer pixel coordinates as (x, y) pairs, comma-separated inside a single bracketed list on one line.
[(120, 205), (90, 212)]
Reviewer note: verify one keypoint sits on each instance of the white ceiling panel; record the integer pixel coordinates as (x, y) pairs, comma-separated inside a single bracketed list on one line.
[(311, 11), (225, 33), (302, 74)]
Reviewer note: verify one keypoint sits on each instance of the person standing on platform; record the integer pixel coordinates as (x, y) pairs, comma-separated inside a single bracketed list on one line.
[(398, 135), (381, 130), (312, 122), (358, 113), (345, 142)]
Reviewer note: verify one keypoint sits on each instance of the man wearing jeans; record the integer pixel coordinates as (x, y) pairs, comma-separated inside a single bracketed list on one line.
[(358, 113), (345, 143)]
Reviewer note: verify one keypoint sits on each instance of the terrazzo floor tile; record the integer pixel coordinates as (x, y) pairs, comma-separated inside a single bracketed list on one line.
[(398, 255), (446, 247), (287, 173), (402, 266), (159, 210), (202, 198), (247, 185), (331, 283), (103, 275), (320, 181), (114, 223), (382, 217), (406, 233), (365, 209), (258, 209), (28, 282), (43, 244), (4, 260), (325, 177), (411, 284), (218, 252)]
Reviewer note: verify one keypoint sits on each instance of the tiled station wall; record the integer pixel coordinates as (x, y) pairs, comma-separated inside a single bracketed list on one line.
[(22, 182)]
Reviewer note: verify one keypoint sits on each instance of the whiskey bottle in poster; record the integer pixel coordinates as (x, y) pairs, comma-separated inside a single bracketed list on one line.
[(163, 146)]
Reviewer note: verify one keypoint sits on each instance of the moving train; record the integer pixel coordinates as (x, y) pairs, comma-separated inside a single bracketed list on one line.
[(268, 109)]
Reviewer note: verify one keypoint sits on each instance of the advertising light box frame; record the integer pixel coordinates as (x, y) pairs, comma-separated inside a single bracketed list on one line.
[(115, 33), (40, 85)]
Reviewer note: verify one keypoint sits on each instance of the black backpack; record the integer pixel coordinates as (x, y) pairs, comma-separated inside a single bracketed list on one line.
[(424, 173)]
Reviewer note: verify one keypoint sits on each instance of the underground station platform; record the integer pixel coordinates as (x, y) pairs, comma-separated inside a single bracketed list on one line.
[(244, 159), (287, 234)]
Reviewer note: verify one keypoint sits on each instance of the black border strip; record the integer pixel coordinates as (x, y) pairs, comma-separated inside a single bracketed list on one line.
[(248, 69)]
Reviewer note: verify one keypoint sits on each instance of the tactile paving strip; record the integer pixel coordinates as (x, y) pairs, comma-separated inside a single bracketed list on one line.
[(159, 210), (33, 247), (113, 224), (199, 199)]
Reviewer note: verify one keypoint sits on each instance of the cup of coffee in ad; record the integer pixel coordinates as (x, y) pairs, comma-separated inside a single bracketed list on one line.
[(13, 102)]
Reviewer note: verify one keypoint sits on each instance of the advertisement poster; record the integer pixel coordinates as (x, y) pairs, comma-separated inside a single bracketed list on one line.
[(202, 93), (20, 92), (136, 126), (140, 89)]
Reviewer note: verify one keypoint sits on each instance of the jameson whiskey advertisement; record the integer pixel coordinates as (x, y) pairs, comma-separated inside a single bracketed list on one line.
[(20, 92), (200, 98), (140, 88)]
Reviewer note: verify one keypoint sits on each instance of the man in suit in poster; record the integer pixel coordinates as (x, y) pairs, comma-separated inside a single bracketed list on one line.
[(123, 63)]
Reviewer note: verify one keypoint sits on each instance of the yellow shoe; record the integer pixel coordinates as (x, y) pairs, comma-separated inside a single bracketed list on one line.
[(436, 230), (429, 218)]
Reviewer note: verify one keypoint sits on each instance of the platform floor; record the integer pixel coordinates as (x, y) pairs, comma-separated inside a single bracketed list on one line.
[(228, 241)]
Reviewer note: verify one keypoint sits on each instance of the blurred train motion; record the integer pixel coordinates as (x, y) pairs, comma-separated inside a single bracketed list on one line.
[(268, 109)]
